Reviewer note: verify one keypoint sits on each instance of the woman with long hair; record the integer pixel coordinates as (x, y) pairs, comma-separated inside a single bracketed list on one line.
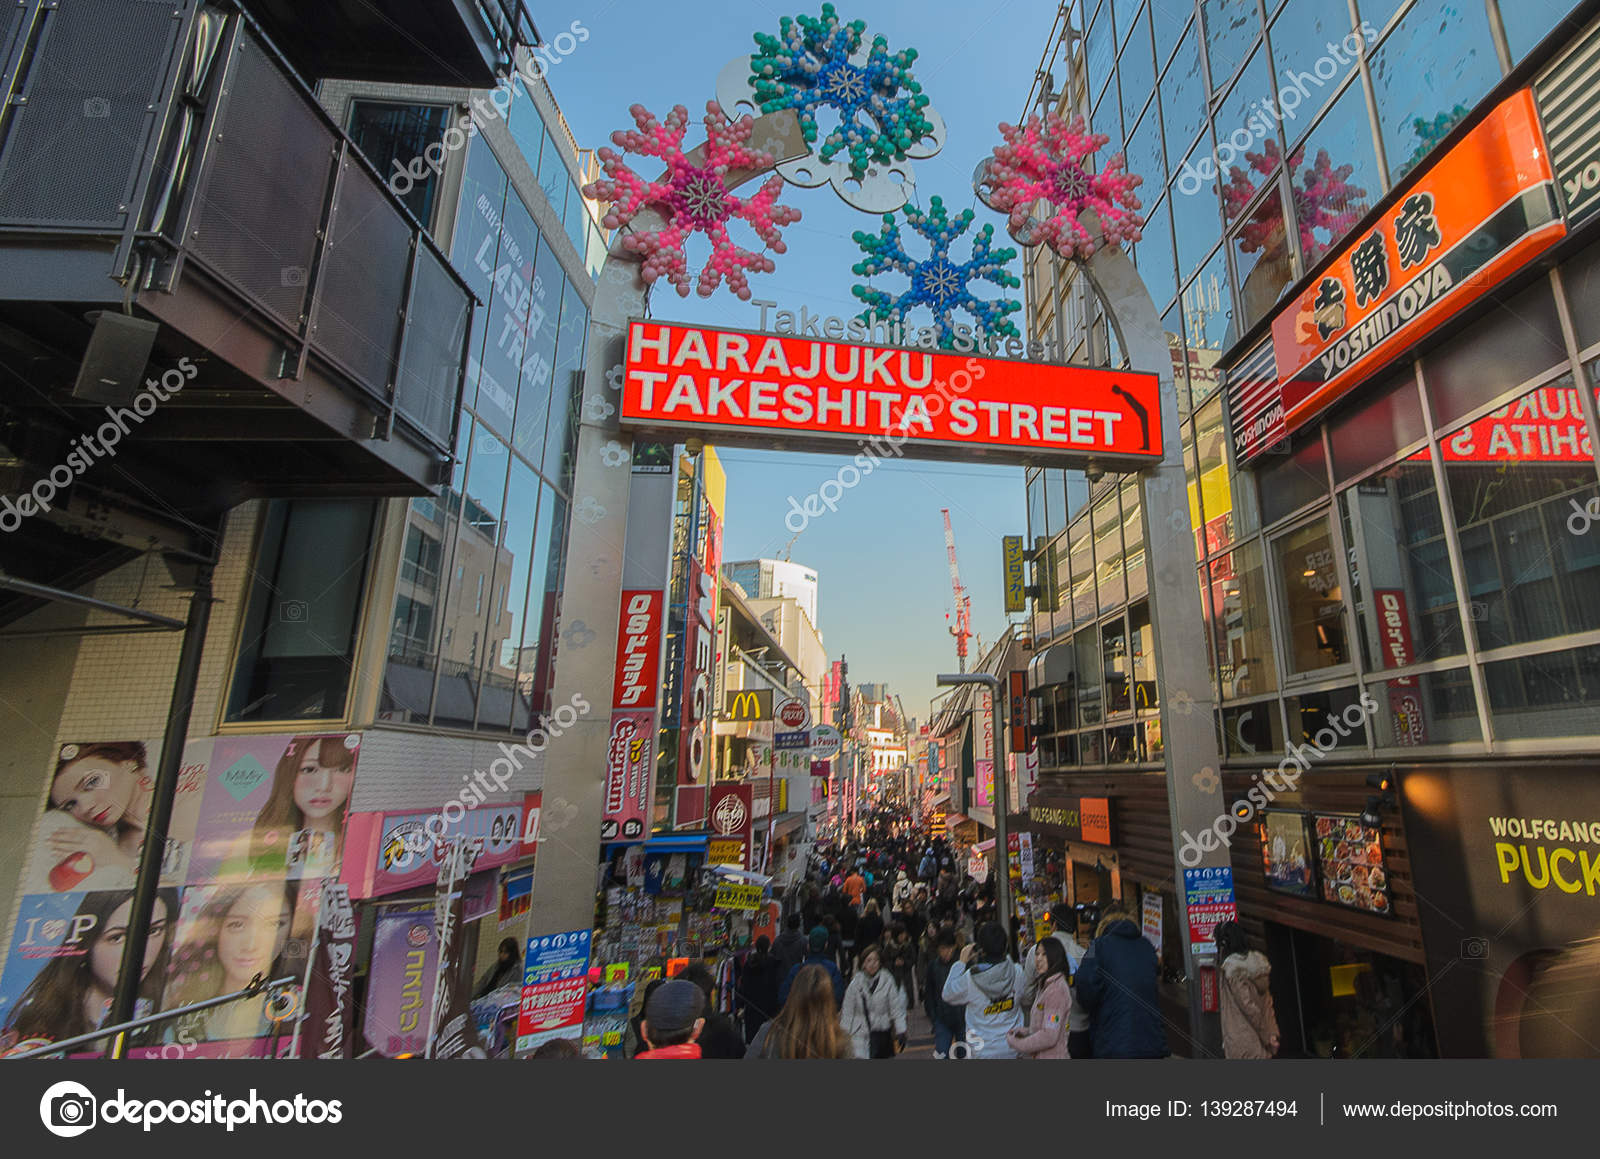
[(72, 994), (300, 829), (808, 1025), (875, 1009), (239, 933), (1046, 1032), (95, 820)]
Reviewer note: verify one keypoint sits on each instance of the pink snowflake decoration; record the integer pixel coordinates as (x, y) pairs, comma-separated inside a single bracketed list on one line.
[(1324, 200), (1040, 179), (693, 199)]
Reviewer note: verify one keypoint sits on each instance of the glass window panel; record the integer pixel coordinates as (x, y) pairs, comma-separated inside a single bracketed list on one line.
[(1240, 627), (1143, 154), (1083, 599), (477, 549), (1154, 255), (1142, 644), (1427, 75), (1247, 142), (1133, 539), (1136, 70), (297, 640), (1261, 258), (1086, 651), (1231, 27), (475, 252), (1580, 278), (539, 355), (595, 252), (576, 220), (1378, 12), (1252, 729), (1527, 22), (1433, 708), (1336, 716), (1308, 73), (1108, 554), (1115, 666), (1290, 482), (1183, 101), (1125, 12), (1216, 487), (1316, 627), (553, 178), (1334, 175), (393, 136), (1122, 745), (1517, 477), (1092, 748), (1556, 694), (1511, 344), (506, 340), (1169, 18), (1107, 115), (568, 389), (1208, 306), (506, 635), (536, 667), (1100, 52), (1389, 419), (1396, 518), (527, 126), (1036, 522)]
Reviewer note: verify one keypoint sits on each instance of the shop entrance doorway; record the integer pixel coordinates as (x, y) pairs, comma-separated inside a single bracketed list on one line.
[(1335, 1000)]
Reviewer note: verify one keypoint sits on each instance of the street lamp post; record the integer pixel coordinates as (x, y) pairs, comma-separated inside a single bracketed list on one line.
[(1002, 803)]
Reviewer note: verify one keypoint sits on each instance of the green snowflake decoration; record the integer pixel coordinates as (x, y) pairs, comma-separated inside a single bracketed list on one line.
[(807, 67), (939, 283)]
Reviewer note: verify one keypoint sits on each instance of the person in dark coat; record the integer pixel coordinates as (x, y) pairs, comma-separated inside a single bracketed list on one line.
[(869, 930), (763, 974), (949, 1021), (790, 948), (507, 969), (719, 1038), (819, 955), (1117, 984)]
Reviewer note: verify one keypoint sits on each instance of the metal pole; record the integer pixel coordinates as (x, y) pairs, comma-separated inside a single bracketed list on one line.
[(1002, 809), (130, 974)]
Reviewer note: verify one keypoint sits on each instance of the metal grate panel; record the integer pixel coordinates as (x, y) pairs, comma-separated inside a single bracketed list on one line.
[(428, 390), (257, 216), (362, 282), (74, 143)]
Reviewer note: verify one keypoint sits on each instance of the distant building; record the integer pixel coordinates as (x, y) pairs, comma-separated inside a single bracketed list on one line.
[(764, 579)]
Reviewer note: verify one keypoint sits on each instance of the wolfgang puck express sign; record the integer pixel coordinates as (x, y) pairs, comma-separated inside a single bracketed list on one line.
[(737, 386), (1506, 867)]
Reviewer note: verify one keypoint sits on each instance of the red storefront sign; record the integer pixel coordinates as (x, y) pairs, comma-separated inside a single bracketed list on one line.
[(693, 379), (1405, 703), (630, 755), (732, 817)]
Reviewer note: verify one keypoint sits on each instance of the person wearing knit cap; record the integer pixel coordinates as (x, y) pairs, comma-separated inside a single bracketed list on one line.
[(673, 1019), (817, 955)]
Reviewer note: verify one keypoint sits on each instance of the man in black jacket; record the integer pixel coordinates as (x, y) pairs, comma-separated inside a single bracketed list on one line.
[(1116, 983), (949, 1022), (790, 946)]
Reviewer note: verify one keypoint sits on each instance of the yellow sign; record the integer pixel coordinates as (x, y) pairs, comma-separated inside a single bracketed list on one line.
[(1015, 574), (726, 851), (617, 972), (745, 897)]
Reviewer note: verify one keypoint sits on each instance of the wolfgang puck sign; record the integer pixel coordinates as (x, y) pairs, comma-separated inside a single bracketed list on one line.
[(736, 386)]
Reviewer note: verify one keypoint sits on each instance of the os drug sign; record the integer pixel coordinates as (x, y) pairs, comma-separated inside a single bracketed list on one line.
[(737, 386)]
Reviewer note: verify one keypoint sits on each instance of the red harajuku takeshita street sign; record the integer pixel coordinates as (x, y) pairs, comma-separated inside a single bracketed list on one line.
[(735, 386)]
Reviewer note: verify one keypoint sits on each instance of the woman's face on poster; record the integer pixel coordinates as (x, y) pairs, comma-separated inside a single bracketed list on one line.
[(254, 931), (105, 956), (95, 790), (320, 791)]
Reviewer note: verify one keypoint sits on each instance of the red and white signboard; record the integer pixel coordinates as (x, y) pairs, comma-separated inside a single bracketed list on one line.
[(733, 384), (630, 756), (1405, 703), (792, 713), (732, 816)]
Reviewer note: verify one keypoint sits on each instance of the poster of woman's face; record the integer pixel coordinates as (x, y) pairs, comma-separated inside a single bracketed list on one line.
[(61, 971), (275, 806), (1286, 853), (90, 832)]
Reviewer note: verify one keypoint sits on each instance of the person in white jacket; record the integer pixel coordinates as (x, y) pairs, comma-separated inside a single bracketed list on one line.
[(991, 990), (874, 1014)]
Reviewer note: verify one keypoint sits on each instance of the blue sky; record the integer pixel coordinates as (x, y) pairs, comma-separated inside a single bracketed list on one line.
[(884, 587)]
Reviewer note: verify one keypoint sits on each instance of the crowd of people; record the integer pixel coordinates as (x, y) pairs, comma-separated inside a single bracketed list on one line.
[(882, 926)]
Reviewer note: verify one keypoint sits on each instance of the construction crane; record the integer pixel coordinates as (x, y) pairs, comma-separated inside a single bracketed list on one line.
[(962, 628)]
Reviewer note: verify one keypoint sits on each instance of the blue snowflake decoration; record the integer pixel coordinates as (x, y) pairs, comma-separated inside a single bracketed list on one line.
[(807, 67), (940, 283)]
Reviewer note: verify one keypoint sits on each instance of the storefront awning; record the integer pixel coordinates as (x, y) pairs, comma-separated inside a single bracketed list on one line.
[(1055, 665), (668, 843)]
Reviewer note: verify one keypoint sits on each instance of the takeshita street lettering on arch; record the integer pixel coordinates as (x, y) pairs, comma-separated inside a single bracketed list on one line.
[(737, 386)]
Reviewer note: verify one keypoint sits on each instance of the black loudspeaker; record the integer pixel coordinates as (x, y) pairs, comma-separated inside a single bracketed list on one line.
[(114, 362)]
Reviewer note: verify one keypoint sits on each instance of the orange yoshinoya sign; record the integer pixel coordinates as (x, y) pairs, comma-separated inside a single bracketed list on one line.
[(734, 385), (1482, 210)]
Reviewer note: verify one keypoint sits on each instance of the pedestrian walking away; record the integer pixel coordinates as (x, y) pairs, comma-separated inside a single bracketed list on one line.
[(1249, 1022), (989, 985)]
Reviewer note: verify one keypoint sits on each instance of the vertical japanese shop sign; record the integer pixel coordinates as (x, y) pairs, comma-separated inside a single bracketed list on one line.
[(1015, 577), (1405, 698), (329, 1008), (630, 757), (1208, 900), (1017, 687), (732, 822), (983, 750), (405, 958), (704, 564), (555, 986)]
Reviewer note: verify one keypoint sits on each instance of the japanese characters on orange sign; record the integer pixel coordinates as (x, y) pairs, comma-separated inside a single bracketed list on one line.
[(731, 383), (1482, 210), (630, 755)]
